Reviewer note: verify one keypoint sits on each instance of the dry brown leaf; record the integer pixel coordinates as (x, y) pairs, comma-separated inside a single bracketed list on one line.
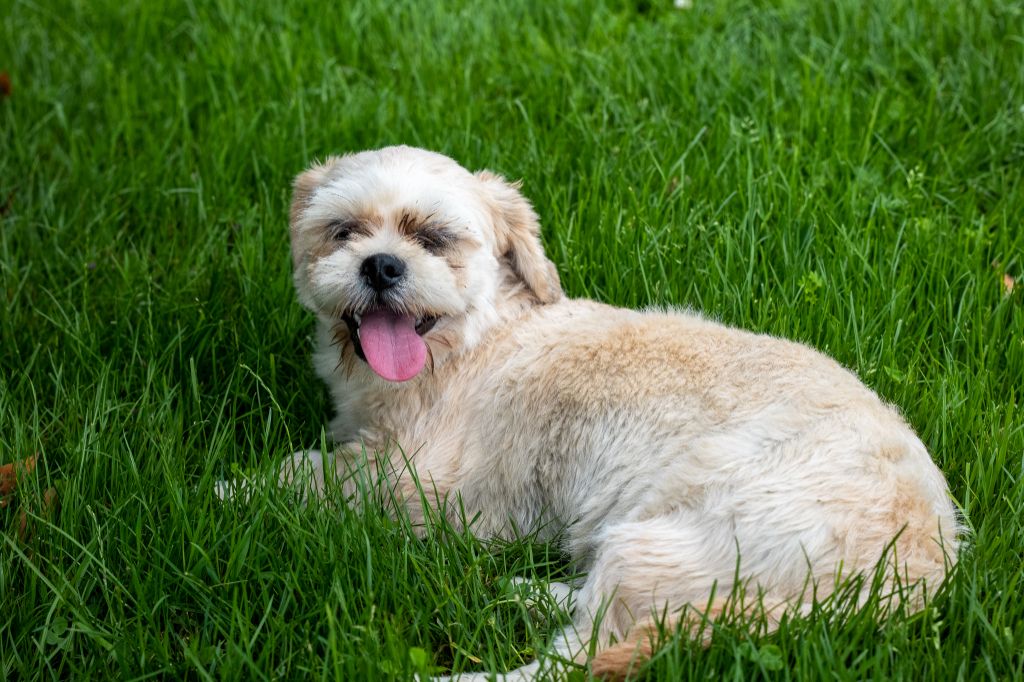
[(51, 505), (10, 474), (23, 532)]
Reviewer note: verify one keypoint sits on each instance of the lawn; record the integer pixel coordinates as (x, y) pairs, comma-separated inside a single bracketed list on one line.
[(848, 174)]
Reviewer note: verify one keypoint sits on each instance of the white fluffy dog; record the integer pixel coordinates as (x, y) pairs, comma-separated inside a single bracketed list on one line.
[(674, 454)]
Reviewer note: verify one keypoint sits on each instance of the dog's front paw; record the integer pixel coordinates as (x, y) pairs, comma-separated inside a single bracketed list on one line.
[(540, 597), (303, 472), (237, 489)]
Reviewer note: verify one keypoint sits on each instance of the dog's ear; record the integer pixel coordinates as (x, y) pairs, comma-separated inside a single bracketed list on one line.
[(517, 230), (305, 184)]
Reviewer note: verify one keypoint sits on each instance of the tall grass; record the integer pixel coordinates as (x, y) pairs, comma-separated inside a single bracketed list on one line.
[(847, 174)]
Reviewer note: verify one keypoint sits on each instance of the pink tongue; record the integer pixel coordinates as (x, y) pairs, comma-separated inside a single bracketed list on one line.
[(391, 345)]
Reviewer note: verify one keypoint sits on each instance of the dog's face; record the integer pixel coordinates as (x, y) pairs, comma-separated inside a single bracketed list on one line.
[(409, 256)]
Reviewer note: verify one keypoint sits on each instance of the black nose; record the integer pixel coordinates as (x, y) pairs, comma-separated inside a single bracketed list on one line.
[(382, 271)]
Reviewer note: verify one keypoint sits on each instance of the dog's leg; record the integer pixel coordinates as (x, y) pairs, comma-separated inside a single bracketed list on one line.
[(237, 489), (539, 597), (309, 473), (567, 653), (537, 592), (561, 593), (303, 472), (671, 570), (639, 569)]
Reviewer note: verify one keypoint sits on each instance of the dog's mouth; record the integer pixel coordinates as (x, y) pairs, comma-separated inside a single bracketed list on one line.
[(391, 343)]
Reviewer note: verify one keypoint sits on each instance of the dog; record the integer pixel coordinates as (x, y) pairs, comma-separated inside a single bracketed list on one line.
[(676, 458)]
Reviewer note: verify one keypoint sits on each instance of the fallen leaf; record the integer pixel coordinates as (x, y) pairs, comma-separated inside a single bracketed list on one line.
[(23, 533), (51, 504), (10, 474), (5, 84)]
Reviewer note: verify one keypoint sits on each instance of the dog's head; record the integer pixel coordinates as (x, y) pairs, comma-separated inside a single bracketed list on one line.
[(407, 255)]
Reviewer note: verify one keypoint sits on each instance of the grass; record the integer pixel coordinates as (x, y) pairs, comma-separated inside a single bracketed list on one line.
[(848, 174)]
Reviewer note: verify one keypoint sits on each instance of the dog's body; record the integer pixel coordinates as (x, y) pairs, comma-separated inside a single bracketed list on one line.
[(675, 454)]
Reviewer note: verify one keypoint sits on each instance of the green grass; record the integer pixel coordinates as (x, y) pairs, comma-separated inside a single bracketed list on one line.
[(848, 174)]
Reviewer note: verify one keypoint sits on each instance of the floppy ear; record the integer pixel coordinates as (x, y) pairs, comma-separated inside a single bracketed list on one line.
[(517, 230), (302, 191)]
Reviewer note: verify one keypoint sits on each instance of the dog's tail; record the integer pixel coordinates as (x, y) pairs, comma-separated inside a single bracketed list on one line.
[(625, 658)]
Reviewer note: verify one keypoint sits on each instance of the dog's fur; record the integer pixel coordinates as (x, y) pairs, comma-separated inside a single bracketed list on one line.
[(675, 454)]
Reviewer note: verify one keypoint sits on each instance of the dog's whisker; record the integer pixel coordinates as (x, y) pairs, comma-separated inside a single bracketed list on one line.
[(339, 310)]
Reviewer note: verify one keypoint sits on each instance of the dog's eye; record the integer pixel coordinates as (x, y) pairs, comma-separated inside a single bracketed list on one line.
[(434, 240), (340, 230)]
